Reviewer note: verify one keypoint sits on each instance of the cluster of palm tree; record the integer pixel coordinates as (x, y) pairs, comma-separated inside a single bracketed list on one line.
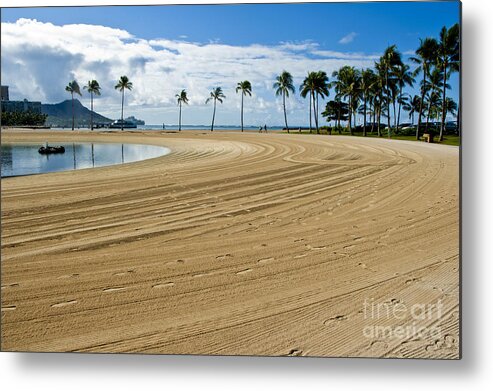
[(93, 88), (379, 91), (372, 92)]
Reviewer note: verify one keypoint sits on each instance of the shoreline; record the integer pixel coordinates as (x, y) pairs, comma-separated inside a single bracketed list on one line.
[(233, 243)]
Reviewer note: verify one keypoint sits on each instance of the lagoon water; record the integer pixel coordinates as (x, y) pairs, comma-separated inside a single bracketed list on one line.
[(24, 159)]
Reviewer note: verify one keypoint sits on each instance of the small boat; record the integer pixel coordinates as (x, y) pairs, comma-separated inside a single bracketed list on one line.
[(46, 150), (126, 125)]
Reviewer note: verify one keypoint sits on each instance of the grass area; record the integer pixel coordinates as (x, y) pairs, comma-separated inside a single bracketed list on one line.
[(447, 139)]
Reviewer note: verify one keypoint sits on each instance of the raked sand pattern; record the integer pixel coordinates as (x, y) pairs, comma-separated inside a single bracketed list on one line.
[(234, 243)]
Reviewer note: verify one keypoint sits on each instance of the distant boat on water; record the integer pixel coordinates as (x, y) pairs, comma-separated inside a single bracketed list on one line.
[(126, 124)]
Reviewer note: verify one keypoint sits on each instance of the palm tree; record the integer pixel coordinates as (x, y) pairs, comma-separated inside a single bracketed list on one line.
[(308, 87), (216, 95), (123, 83), (181, 98), (336, 111), (321, 89), (403, 77), (347, 85), (73, 88), (426, 55), (284, 85), (94, 89), (390, 60), (448, 60), (368, 79), (412, 106), (433, 87), (246, 89)]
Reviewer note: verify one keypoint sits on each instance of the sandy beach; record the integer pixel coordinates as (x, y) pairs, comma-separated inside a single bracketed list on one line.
[(234, 244)]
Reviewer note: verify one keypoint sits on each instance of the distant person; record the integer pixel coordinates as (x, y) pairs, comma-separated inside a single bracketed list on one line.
[(164, 127), (265, 128), (260, 129)]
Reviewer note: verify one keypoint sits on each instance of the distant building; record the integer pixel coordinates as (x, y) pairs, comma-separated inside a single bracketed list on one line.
[(5, 93), (18, 105)]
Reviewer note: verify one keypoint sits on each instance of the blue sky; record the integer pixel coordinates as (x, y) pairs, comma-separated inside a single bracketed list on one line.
[(162, 37)]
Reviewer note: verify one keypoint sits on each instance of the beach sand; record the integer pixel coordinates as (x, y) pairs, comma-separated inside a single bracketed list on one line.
[(235, 244)]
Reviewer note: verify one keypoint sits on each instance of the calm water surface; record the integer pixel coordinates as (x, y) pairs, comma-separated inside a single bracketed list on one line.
[(24, 159)]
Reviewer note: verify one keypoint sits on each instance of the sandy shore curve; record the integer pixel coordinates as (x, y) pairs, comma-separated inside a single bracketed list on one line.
[(234, 243)]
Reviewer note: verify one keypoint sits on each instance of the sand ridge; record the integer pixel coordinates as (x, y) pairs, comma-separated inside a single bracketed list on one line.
[(234, 243)]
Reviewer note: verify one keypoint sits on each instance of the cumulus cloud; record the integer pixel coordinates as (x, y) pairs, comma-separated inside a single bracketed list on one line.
[(348, 38), (38, 60)]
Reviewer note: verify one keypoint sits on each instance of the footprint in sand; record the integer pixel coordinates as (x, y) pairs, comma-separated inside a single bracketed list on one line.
[(412, 280), (13, 285), (64, 303), (315, 248), (300, 256), (74, 275), (124, 273), (223, 257), (9, 308), (265, 260), (178, 261), (334, 320), (294, 353), (115, 289), (349, 247), (164, 285), (244, 271)]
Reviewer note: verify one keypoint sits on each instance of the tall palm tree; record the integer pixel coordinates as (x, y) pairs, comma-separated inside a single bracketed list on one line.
[(390, 60), (123, 84), (308, 87), (368, 79), (283, 86), (347, 85), (73, 88), (433, 87), (93, 88), (321, 89), (412, 106), (246, 89), (426, 55), (403, 76), (216, 96), (181, 98), (448, 60)]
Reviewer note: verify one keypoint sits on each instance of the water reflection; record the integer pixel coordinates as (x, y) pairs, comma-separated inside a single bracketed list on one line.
[(24, 159)]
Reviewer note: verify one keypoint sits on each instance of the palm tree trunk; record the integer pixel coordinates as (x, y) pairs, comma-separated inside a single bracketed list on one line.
[(399, 112), (421, 104), (315, 99), (364, 115), (123, 97), (179, 120), (242, 111), (92, 110), (339, 120), (444, 101), (379, 118), (350, 115), (73, 113), (284, 107), (310, 111), (213, 116), (388, 100)]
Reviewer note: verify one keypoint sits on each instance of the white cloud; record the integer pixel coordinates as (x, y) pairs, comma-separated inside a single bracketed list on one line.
[(348, 38), (39, 59)]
